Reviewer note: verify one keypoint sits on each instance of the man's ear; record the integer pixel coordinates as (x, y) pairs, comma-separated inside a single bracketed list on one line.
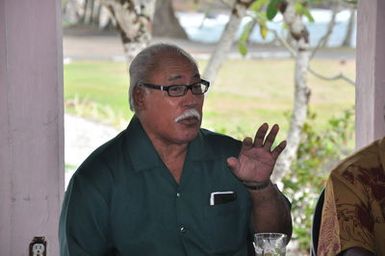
[(139, 95)]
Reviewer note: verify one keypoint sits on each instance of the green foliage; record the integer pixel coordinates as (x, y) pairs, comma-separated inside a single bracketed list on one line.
[(272, 8), (263, 28), (242, 44), (302, 10), (263, 11), (256, 6), (258, 17), (354, 2), (318, 152)]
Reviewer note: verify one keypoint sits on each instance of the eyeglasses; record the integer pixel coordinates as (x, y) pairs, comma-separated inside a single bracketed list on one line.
[(198, 88)]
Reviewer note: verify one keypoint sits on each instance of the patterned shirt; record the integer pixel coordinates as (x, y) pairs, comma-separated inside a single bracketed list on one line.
[(354, 208)]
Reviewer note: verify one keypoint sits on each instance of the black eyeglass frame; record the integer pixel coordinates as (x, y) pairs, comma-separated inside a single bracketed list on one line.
[(186, 87)]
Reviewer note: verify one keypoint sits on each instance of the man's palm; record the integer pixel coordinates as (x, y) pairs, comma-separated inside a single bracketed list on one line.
[(256, 160)]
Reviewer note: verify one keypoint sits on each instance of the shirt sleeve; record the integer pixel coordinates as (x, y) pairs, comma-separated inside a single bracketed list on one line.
[(346, 220), (84, 220)]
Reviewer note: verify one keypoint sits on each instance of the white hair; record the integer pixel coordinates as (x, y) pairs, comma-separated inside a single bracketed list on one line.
[(147, 60)]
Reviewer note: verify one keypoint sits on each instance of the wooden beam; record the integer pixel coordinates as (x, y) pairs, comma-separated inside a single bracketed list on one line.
[(31, 124), (370, 90)]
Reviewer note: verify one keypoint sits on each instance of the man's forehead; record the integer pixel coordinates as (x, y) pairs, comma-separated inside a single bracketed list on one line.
[(174, 66), (173, 77)]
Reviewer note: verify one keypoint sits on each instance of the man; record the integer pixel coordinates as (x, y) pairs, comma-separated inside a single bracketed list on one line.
[(353, 217), (166, 187)]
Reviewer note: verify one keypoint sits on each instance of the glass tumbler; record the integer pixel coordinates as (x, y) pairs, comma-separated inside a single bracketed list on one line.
[(270, 244)]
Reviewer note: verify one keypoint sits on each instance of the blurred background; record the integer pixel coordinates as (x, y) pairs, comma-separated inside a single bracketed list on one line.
[(275, 61)]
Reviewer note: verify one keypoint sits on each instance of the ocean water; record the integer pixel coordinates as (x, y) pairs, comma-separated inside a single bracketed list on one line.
[(209, 29)]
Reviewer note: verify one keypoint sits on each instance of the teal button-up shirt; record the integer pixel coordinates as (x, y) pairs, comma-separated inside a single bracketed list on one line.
[(124, 201)]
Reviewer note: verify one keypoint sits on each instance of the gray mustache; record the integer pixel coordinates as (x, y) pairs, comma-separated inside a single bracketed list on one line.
[(189, 113)]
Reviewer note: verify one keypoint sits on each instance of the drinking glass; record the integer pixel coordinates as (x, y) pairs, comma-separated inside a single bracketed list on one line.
[(270, 244)]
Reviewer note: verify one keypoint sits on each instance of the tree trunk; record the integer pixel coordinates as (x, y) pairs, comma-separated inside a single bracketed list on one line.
[(71, 12), (226, 41), (83, 16), (301, 91), (89, 9), (96, 13), (105, 19), (134, 23), (165, 22), (349, 31)]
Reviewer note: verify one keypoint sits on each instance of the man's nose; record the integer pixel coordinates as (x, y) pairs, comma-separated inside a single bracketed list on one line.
[(191, 99)]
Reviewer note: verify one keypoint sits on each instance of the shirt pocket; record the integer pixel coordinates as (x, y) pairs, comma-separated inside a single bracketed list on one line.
[(226, 227)]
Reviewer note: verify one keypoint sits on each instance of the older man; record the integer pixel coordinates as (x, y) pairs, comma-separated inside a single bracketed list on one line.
[(166, 187)]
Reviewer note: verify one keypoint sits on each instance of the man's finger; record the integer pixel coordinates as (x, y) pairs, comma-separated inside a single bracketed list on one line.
[(271, 137), (278, 149), (247, 143), (260, 135)]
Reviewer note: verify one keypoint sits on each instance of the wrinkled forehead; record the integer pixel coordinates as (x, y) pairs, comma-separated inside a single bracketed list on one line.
[(174, 65)]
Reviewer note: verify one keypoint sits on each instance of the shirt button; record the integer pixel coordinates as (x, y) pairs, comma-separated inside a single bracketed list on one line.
[(183, 229), (177, 194)]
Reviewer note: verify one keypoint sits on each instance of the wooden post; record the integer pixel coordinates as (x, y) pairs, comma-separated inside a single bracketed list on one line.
[(370, 91), (31, 124)]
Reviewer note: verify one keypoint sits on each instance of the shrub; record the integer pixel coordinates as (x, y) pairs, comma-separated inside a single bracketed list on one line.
[(318, 152)]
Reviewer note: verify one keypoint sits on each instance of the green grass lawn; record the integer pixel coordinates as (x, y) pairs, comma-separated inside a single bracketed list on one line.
[(245, 94)]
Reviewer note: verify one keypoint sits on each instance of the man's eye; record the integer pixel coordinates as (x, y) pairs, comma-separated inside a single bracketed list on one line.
[(197, 87), (177, 88)]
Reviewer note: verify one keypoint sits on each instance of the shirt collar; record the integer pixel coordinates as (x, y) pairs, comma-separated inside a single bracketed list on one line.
[(198, 150), (143, 155)]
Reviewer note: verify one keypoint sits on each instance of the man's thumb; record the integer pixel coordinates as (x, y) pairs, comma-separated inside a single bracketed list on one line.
[(232, 163)]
